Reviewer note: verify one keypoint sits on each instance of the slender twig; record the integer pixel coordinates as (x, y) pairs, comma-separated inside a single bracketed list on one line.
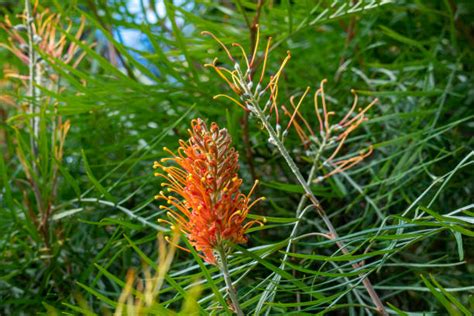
[(300, 212), (253, 102), (222, 261), (54, 137), (333, 233), (32, 92), (31, 75)]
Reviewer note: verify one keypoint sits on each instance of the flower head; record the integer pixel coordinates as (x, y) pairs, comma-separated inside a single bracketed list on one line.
[(203, 190)]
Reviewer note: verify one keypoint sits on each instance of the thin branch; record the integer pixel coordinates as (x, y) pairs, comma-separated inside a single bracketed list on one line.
[(31, 75), (254, 103), (230, 287)]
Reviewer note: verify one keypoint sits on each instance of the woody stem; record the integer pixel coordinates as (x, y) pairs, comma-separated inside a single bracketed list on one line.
[(222, 260)]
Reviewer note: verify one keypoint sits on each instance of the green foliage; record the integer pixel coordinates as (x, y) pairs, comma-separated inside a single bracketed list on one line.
[(405, 212)]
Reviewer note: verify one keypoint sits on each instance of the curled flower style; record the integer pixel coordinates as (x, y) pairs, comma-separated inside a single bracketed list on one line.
[(203, 191), (330, 137), (324, 143)]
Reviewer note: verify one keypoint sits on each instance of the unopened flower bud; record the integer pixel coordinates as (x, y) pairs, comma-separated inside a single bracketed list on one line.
[(278, 129), (337, 127), (37, 39), (24, 47), (318, 179), (20, 28), (271, 141)]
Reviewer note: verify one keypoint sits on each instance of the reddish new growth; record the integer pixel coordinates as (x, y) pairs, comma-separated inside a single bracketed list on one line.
[(203, 187), (46, 37)]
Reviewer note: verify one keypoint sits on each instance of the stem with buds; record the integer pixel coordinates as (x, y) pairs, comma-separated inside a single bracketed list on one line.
[(34, 122), (251, 100)]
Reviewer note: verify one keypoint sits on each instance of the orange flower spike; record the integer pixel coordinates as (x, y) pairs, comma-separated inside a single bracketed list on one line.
[(301, 117), (206, 203), (276, 77), (231, 99), (273, 101)]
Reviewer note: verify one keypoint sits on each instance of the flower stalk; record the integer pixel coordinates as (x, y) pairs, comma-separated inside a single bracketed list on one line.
[(222, 264), (203, 196)]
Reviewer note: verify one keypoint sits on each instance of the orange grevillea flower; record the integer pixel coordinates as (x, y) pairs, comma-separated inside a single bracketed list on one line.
[(203, 190)]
